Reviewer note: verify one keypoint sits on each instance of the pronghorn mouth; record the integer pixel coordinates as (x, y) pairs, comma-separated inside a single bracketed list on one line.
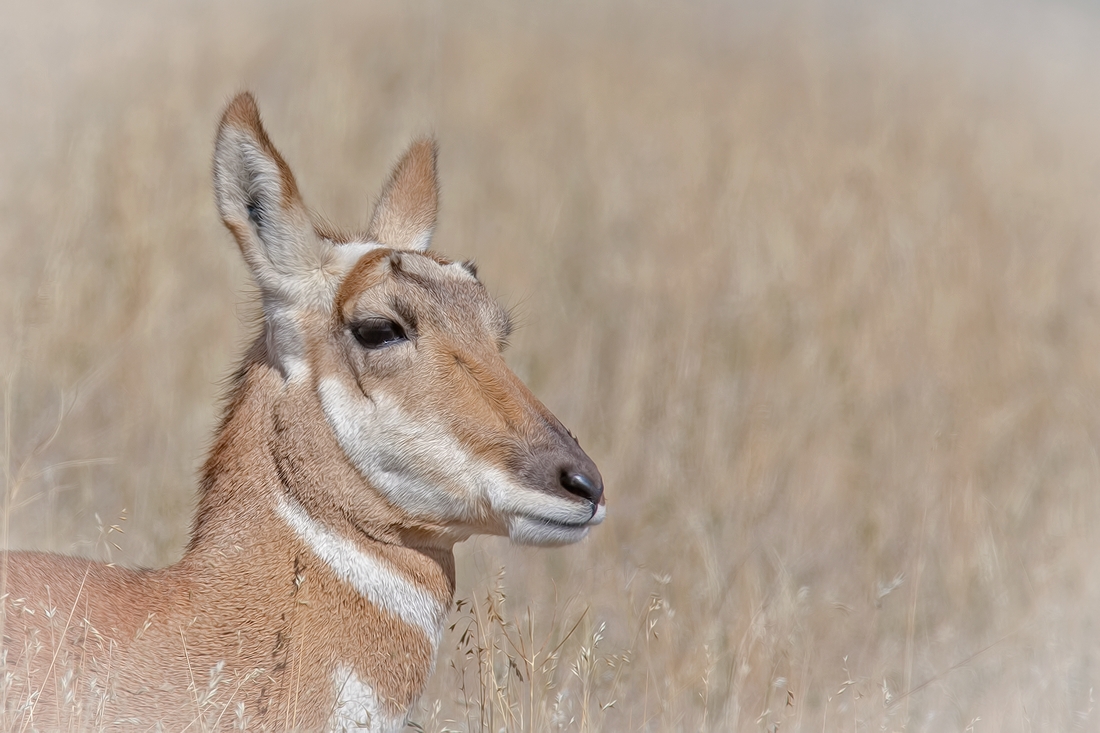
[(556, 524), (599, 512), (529, 529)]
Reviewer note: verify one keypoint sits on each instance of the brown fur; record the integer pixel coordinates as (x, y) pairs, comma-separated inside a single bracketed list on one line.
[(251, 622), (245, 594)]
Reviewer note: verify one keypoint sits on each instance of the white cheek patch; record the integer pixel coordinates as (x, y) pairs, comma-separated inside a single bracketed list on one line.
[(412, 465), (373, 578), (424, 470), (357, 706)]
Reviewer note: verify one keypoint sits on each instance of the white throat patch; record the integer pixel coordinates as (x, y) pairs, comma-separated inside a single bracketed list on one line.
[(372, 577)]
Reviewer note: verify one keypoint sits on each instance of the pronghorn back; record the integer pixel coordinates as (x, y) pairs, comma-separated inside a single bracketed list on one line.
[(372, 424)]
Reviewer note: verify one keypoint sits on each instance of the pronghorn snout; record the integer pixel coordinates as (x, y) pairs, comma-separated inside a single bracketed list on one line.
[(571, 491), (554, 461)]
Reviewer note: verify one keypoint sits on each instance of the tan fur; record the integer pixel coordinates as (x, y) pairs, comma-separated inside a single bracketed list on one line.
[(253, 622), (409, 201)]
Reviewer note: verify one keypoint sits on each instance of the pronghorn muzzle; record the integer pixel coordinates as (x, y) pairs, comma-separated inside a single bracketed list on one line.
[(565, 467), (562, 472)]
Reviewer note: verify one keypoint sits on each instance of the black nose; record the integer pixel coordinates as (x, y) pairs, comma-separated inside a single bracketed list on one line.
[(583, 486)]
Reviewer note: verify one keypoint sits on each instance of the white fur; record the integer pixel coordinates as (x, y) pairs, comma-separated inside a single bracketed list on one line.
[(459, 271), (409, 463), (422, 241), (283, 251), (422, 468), (372, 577), (530, 530), (357, 706), (347, 255)]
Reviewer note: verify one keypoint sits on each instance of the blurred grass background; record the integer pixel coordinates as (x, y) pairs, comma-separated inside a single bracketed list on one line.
[(816, 283)]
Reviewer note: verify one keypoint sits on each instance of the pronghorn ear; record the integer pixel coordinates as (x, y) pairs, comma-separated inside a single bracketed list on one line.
[(404, 217), (259, 202)]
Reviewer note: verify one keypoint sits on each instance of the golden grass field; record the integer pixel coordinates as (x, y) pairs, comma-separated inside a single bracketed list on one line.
[(817, 286)]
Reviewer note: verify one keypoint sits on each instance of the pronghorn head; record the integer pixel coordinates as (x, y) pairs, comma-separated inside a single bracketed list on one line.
[(401, 348)]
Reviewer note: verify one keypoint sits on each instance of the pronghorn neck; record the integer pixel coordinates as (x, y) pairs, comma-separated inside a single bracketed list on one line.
[(275, 448), (352, 564)]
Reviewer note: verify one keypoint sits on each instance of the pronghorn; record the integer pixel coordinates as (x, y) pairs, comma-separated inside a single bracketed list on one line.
[(371, 426)]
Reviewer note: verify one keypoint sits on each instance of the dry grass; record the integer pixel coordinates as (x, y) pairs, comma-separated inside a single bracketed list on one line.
[(817, 286)]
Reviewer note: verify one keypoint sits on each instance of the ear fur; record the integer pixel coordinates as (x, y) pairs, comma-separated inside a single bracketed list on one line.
[(259, 203), (404, 217)]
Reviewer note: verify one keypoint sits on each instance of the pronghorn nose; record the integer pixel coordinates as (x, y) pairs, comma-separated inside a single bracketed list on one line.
[(583, 486)]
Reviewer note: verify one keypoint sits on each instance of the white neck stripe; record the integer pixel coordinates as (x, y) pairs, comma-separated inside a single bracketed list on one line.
[(372, 577)]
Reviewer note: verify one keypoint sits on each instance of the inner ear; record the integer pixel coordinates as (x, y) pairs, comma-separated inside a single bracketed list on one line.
[(255, 212), (405, 215), (259, 202)]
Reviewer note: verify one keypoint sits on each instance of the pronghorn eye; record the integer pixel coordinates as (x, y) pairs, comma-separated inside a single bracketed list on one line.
[(377, 333)]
